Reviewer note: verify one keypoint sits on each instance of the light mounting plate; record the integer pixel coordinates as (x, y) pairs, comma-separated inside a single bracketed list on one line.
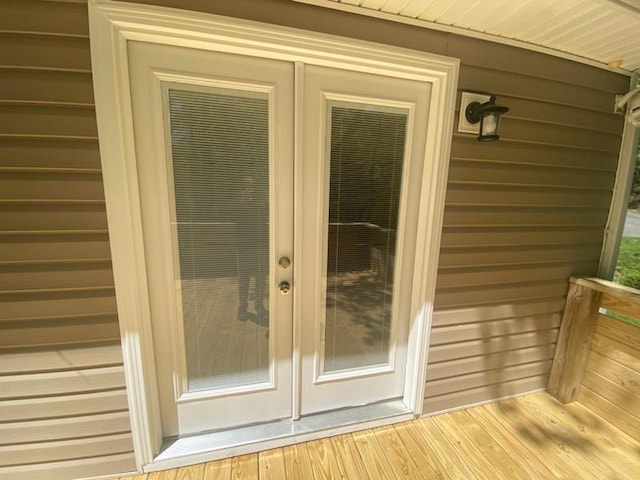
[(464, 126)]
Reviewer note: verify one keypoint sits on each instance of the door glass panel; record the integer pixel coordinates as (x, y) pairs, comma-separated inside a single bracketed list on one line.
[(367, 147), (220, 153)]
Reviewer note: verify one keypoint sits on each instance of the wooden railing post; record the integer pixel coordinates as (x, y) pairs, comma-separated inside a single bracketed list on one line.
[(574, 342)]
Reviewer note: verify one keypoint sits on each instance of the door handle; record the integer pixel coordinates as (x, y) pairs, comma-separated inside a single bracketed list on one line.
[(285, 287)]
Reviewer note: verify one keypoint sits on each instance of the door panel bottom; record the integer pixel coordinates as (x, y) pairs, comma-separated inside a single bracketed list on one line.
[(239, 441)]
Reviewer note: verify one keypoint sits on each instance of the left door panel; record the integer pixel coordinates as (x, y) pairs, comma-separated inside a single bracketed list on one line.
[(214, 162)]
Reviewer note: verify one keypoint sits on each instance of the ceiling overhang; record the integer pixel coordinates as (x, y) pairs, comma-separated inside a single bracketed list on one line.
[(601, 33)]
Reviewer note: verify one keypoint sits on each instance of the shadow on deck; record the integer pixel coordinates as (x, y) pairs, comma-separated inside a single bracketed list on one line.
[(591, 432), (530, 437)]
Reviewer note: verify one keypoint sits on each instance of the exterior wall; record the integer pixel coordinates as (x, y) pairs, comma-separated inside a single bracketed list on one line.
[(63, 406), (522, 215)]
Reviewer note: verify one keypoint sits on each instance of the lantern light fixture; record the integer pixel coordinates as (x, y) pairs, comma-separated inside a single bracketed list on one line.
[(479, 114)]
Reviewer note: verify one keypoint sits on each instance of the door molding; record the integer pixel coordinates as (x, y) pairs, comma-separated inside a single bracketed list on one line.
[(112, 26)]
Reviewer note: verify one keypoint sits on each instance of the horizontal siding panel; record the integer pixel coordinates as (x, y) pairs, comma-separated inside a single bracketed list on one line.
[(491, 377), (63, 407), (515, 174), (563, 137), (529, 131), (458, 277), (54, 17), (506, 293), (37, 184), (67, 449), (526, 86), (53, 247), (506, 150), (61, 383), (55, 331), (77, 468), (513, 60), (50, 51), (52, 217), (57, 304), (556, 114), (485, 235), (37, 360), (487, 346), (486, 215), (471, 191), (487, 393), (497, 328), (453, 257), (56, 275), (464, 366), (48, 120), (44, 153), (45, 85), (64, 428), (501, 311)]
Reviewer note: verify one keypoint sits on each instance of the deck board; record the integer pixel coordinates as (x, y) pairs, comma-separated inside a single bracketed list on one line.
[(533, 436)]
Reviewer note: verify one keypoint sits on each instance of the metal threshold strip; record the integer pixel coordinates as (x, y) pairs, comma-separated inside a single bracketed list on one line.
[(210, 446)]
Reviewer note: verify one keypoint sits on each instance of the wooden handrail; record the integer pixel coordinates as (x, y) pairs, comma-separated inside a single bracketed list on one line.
[(586, 296), (605, 286)]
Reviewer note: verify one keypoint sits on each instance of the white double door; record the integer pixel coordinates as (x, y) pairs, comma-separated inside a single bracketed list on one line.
[(279, 208)]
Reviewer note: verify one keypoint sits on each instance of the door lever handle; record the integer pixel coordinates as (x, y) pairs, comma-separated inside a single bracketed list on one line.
[(285, 287)]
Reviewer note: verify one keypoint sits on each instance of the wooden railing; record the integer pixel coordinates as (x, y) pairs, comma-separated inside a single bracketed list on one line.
[(597, 359)]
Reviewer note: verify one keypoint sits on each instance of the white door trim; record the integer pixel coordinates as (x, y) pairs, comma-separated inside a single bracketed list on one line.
[(112, 26)]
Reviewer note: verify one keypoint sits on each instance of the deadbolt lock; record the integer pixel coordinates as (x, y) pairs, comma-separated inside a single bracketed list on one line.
[(284, 262)]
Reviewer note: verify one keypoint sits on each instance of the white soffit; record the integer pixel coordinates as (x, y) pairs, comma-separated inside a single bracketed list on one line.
[(604, 33)]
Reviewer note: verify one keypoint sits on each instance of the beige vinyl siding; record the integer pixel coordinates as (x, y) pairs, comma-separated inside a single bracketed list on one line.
[(63, 405), (522, 214)]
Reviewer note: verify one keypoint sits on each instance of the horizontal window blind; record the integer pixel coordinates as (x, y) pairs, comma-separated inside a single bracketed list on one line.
[(220, 149), (367, 156)]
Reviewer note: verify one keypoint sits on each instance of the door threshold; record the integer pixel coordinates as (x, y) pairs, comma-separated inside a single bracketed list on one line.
[(211, 446)]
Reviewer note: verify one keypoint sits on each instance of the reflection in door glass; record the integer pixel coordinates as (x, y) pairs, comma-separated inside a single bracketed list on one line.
[(221, 177), (367, 152)]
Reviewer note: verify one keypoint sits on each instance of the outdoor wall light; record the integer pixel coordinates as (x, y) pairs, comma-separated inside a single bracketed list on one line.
[(479, 114)]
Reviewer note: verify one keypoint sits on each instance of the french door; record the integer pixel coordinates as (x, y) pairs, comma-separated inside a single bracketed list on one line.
[(279, 283)]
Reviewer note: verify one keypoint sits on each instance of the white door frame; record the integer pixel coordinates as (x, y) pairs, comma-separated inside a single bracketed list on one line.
[(112, 26)]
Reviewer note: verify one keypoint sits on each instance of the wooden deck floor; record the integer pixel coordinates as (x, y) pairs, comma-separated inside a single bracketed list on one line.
[(531, 437)]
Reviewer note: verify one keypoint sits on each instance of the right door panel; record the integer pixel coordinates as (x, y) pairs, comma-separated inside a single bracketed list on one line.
[(364, 143)]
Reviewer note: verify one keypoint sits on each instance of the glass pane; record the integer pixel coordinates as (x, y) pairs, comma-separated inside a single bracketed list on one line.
[(221, 179), (367, 152)]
